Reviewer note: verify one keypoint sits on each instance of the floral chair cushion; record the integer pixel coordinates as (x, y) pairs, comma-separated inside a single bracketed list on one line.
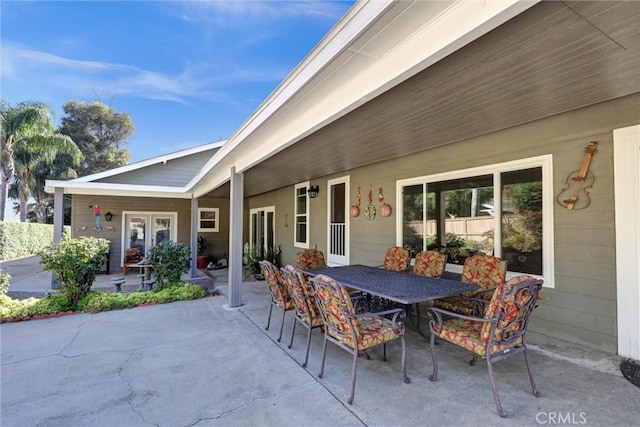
[(396, 259), (458, 304), (484, 270), (511, 312), (429, 263), (302, 296), (340, 316), (310, 259), (277, 286)]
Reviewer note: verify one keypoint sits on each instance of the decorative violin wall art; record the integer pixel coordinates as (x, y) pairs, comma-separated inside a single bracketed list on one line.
[(575, 195)]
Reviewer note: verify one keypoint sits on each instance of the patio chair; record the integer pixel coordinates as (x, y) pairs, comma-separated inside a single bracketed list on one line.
[(355, 332), (499, 334), (132, 257), (484, 270), (430, 264), (309, 259), (396, 259), (307, 312), (279, 294)]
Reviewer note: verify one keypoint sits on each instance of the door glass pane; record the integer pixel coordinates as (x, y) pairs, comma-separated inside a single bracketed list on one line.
[(522, 220), (162, 230), (137, 233), (270, 231), (338, 205)]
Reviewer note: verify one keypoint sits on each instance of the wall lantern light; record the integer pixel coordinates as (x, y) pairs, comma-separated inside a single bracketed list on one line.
[(313, 191), (108, 216)]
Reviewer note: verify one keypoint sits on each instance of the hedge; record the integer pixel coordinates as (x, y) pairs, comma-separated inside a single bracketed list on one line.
[(20, 239)]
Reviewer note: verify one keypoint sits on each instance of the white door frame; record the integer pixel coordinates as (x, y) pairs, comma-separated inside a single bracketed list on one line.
[(150, 215), (265, 209), (333, 260), (626, 159)]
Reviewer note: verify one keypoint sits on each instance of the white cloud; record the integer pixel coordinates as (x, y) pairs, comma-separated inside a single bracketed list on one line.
[(203, 81)]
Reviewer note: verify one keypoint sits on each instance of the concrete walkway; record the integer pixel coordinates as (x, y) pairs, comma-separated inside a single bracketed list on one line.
[(197, 363)]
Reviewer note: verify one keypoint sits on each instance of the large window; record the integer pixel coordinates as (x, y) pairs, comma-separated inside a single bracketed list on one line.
[(301, 206), (504, 210)]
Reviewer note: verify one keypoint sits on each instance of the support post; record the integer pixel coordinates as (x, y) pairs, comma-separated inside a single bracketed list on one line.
[(235, 238), (58, 225), (194, 237)]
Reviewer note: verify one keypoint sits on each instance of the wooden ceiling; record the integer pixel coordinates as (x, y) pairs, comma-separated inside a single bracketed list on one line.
[(553, 58)]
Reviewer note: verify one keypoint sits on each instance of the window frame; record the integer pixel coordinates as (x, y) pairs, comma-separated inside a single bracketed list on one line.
[(216, 220), (296, 243), (545, 162)]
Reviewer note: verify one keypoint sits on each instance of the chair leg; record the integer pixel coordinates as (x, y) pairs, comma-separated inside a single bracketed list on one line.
[(384, 352), (293, 331), (534, 389), (269, 318), (282, 324), (354, 369), (306, 356), (473, 361), (324, 355), (494, 389), (405, 378), (432, 340)]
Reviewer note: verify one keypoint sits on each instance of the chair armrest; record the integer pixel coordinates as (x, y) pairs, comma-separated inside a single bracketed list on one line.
[(397, 313), (437, 317)]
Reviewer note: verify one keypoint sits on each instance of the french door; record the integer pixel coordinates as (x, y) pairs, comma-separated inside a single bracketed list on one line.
[(338, 222), (145, 229), (262, 229)]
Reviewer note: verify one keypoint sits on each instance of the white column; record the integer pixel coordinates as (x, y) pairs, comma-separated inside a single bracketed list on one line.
[(626, 160), (194, 237), (235, 238)]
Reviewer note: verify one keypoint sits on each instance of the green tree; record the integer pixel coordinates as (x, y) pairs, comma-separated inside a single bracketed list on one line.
[(36, 155), (17, 125), (99, 132)]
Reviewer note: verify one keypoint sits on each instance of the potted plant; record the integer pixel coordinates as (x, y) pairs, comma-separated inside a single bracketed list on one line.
[(202, 259)]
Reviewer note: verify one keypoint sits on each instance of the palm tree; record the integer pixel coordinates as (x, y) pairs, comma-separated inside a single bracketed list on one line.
[(17, 123), (33, 162)]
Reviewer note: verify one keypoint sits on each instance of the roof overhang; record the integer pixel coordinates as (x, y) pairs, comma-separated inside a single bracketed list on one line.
[(109, 189), (374, 47)]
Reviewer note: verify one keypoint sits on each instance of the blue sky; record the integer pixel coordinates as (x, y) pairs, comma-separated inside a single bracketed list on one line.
[(187, 72)]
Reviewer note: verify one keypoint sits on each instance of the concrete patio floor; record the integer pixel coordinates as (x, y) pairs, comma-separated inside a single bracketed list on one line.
[(198, 363)]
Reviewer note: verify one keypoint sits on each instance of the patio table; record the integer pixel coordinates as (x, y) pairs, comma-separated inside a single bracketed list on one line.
[(401, 287)]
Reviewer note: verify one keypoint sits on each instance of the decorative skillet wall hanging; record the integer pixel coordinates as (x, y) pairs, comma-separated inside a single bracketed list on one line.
[(355, 209), (385, 210), (575, 195), (370, 211)]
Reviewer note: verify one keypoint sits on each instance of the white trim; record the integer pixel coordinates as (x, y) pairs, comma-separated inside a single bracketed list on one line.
[(545, 161), (347, 220), (296, 243), (108, 189), (216, 220), (150, 162), (266, 209), (150, 215), (626, 160)]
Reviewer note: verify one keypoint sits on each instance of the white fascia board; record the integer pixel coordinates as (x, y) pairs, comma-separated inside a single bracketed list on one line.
[(357, 19), (152, 161), (459, 25), (108, 189)]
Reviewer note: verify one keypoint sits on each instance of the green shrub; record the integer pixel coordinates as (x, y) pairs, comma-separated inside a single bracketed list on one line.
[(20, 239), (76, 262), (96, 301), (170, 260), (5, 278)]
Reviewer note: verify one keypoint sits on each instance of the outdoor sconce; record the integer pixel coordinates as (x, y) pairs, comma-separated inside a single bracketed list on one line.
[(108, 216), (313, 191)]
